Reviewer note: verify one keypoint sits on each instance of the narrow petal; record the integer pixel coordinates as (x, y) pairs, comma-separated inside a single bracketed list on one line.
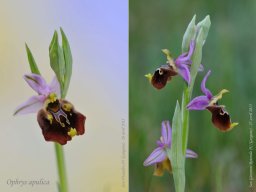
[(55, 86), (158, 155), (185, 58), (32, 105), (191, 154), (206, 91), (37, 83), (184, 73), (199, 103), (191, 48), (166, 133)]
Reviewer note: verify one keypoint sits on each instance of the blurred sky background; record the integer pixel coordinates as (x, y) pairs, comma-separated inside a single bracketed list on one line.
[(98, 35), (223, 163)]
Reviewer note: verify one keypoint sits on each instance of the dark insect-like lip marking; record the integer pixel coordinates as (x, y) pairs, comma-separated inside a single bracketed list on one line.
[(162, 75), (59, 121)]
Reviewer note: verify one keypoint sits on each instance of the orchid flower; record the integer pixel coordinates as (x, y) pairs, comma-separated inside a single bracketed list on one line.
[(180, 66), (220, 118), (57, 118), (159, 156)]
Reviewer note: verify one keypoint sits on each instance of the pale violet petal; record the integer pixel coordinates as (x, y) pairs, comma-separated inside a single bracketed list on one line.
[(166, 133), (206, 91), (184, 72), (55, 86), (199, 103), (191, 48), (32, 105), (158, 155), (191, 154), (37, 83), (159, 143)]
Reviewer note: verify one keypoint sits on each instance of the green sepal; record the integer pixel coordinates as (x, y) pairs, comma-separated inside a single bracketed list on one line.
[(68, 62), (189, 34), (32, 62), (204, 25), (203, 29), (57, 61)]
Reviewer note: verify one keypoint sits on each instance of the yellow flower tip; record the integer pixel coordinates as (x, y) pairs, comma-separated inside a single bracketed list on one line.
[(166, 52), (149, 76), (72, 132), (168, 55), (224, 91), (52, 97), (233, 125)]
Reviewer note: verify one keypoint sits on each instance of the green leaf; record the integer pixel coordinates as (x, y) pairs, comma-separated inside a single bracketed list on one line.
[(68, 61), (189, 34), (32, 62), (177, 157), (57, 61)]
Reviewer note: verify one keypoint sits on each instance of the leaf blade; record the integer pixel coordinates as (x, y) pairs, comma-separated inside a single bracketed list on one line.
[(32, 62), (68, 61)]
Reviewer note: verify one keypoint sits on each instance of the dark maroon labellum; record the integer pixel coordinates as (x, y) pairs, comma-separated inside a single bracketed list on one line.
[(162, 75), (59, 121), (220, 117)]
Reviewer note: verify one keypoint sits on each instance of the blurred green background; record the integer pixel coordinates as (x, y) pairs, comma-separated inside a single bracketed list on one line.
[(223, 163)]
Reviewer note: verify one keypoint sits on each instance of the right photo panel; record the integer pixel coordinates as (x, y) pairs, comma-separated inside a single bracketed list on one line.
[(192, 96)]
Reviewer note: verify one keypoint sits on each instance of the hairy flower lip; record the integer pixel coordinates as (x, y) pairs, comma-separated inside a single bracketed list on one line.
[(159, 156), (162, 75), (221, 118)]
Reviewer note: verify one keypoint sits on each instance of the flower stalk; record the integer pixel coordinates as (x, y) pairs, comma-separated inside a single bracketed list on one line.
[(61, 63), (62, 184), (197, 33)]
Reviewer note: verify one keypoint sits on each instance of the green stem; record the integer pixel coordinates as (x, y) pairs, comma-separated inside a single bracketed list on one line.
[(63, 184), (180, 124)]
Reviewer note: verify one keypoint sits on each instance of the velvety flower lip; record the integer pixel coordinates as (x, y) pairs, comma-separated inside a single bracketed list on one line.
[(180, 66), (159, 156), (57, 118), (60, 122), (220, 117), (162, 75)]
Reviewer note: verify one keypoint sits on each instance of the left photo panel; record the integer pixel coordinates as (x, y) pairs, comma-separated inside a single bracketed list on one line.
[(64, 96)]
